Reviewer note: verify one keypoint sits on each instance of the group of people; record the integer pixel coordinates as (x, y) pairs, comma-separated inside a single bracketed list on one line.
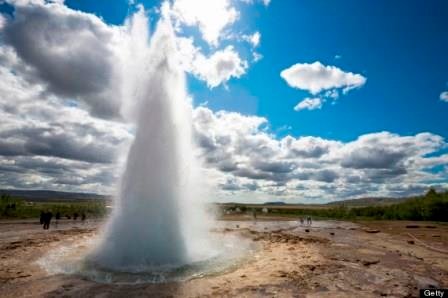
[(308, 221), (46, 216)]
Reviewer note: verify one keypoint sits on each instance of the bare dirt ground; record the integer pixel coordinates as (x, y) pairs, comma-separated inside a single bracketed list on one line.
[(328, 259)]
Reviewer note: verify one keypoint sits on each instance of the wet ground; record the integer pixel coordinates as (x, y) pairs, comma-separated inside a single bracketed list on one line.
[(327, 259)]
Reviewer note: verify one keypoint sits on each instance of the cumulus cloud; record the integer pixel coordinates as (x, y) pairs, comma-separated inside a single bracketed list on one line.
[(71, 53), (316, 77), (60, 92), (47, 143), (211, 17), (239, 150), (60, 66), (444, 96), (253, 39), (215, 69), (309, 104)]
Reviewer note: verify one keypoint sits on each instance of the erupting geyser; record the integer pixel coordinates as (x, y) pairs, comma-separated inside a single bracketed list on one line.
[(153, 222)]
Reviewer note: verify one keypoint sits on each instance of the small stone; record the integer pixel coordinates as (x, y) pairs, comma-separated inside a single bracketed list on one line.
[(370, 262), (372, 231)]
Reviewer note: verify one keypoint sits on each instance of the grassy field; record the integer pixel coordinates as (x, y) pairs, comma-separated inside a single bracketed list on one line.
[(13, 207), (432, 206)]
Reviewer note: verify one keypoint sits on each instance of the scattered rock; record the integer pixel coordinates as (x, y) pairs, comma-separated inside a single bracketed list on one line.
[(332, 233), (369, 262), (436, 236), (306, 230), (372, 231), (412, 226), (431, 227), (411, 241)]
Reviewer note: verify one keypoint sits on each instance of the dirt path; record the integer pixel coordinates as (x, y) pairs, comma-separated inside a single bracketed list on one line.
[(329, 259)]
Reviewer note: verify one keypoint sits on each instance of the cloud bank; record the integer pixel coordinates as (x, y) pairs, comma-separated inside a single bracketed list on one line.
[(61, 128)]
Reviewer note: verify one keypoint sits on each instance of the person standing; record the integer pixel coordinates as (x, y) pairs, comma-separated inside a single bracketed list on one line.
[(47, 220), (57, 218), (309, 221)]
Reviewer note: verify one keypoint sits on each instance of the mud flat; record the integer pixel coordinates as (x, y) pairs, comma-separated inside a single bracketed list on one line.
[(328, 259)]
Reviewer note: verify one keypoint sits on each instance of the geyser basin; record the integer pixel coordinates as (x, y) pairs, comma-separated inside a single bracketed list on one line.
[(231, 251)]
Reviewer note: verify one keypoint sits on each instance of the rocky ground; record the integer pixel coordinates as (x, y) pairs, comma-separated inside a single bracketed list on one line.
[(328, 259)]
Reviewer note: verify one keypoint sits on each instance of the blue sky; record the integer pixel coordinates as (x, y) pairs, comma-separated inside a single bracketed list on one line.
[(399, 46), (301, 101)]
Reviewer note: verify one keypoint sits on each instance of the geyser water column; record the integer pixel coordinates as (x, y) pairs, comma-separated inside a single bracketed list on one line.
[(147, 227)]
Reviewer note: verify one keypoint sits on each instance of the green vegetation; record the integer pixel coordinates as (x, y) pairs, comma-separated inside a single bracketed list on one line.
[(432, 206), (11, 207)]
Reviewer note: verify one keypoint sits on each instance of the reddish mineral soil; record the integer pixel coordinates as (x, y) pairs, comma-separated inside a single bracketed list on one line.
[(328, 259)]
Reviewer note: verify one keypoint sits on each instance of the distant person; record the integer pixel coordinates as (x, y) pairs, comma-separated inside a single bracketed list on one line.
[(254, 214), (42, 215), (309, 221), (57, 218), (47, 219)]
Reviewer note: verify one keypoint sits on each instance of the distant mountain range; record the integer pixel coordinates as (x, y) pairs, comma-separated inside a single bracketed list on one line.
[(50, 195), (369, 201)]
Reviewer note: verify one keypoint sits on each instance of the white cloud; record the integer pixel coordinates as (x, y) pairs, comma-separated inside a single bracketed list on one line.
[(71, 53), (265, 2), (309, 104), (49, 140), (444, 96), (49, 143), (253, 39), (240, 153), (215, 69), (256, 56), (210, 16), (316, 77)]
